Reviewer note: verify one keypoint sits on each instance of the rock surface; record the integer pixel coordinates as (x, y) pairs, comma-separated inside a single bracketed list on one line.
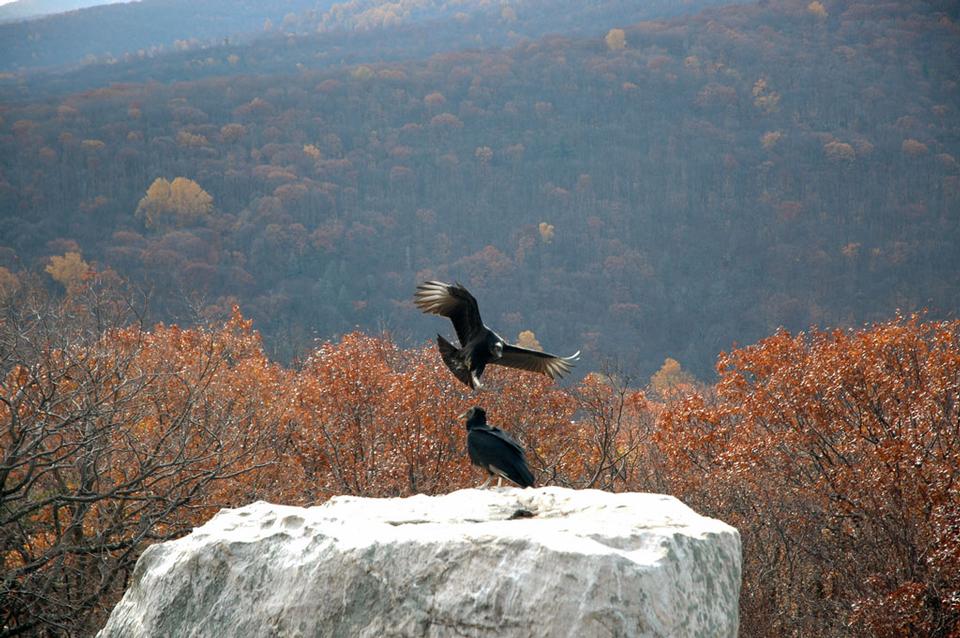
[(587, 563)]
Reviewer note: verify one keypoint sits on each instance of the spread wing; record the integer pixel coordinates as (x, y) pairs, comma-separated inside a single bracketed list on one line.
[(536, 361), (452, 301)]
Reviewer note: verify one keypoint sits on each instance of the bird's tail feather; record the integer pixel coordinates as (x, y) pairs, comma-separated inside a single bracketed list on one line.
[(523, 473), (518, 472)]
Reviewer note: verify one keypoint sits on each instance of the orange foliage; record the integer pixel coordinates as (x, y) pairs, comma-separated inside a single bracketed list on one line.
[(375, 420), (114, 437), (837, 455)]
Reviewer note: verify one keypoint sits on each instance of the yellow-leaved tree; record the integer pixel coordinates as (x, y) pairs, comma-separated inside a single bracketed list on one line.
[(179, 203), (546, 232), (670, 379), (817, 9), (528, 339), (616, 40), (68, 270)]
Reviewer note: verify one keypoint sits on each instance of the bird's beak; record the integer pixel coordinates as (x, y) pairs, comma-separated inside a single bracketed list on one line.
[(464, 415)]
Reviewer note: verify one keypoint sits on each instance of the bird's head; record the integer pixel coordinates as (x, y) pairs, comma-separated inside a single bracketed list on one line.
[(475, 415)]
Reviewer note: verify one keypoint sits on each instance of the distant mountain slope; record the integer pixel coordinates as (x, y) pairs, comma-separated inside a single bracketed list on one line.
[(667, 191), (527, 17), (110, 31), (24, 9), (126, 33)]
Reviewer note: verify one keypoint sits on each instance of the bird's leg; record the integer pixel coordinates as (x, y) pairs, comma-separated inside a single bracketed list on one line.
[(499, 481), (486, 483)]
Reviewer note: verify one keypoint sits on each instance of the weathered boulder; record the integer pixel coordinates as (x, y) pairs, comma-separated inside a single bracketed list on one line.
[(471, 563)]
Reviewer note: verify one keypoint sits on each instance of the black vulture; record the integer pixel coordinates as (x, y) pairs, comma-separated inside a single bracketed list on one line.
[(479, 345), (495, 451)]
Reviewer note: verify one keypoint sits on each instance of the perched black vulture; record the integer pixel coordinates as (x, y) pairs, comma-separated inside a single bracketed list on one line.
[(495, 451), (479, 345)]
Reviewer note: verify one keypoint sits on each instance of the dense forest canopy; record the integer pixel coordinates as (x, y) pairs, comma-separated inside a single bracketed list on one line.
[(132, 32), (704, 179)]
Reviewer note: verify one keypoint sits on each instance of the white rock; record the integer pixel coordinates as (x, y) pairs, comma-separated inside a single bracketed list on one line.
[(588, 563)]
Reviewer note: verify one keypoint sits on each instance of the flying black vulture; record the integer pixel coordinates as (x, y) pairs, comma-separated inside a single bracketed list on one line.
[(479, 345), (495, 451)]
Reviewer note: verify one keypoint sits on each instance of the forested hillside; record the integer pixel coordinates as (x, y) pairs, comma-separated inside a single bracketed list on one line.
[(149, 27), (666, 190), (304, 32)]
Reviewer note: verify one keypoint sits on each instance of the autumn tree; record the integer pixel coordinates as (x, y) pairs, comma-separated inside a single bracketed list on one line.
[(671, 379), (817, 9), (764, 98), (839, 152), (613, 435), (179, 203), (914, 148), (528, 339), (547, 232), (68, 270), (616, 39), (232, 133), (434, 100), (113, 437), (377, 421), (837, 456), (770, 138)]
